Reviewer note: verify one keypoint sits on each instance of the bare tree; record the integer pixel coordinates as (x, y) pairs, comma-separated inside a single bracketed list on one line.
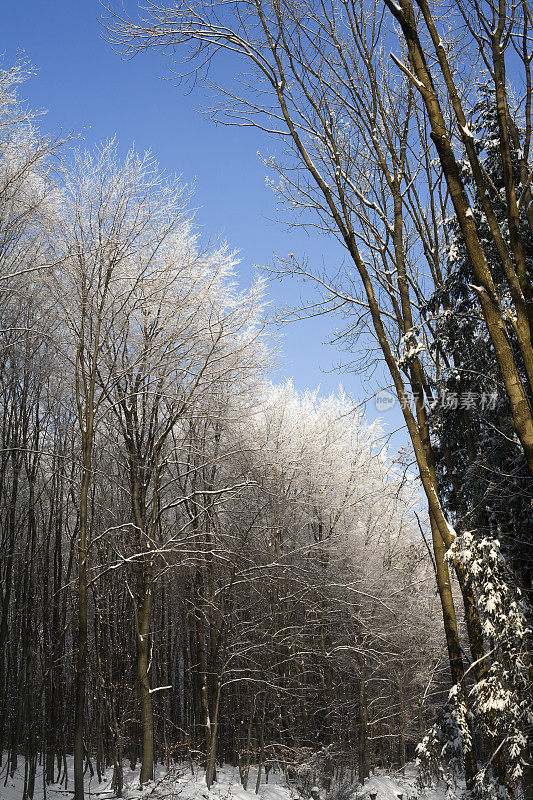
[(115, 220), (182, 337)]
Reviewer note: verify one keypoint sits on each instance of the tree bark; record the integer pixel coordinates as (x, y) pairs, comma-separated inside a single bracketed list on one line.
[(143, 651), (81, 653), (363, 769)]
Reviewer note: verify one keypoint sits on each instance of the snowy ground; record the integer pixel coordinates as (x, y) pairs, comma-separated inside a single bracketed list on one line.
[(182, 785), (389, 787)]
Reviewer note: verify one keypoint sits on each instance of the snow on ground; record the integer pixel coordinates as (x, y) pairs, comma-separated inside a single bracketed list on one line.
[(181, 784), (390, 787)]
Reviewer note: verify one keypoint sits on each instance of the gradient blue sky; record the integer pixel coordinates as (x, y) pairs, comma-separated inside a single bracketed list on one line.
[(84, 85)]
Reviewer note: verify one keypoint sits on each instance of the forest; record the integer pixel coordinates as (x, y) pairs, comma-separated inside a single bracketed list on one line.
[(213, 584)]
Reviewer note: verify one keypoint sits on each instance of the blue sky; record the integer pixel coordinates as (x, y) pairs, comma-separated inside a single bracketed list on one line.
[(84, 85)]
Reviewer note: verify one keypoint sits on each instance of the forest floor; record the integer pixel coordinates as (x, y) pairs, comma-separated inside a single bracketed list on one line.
[(180, 784)]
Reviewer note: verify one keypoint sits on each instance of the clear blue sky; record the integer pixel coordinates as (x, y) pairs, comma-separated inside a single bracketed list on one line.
[(84, 85)]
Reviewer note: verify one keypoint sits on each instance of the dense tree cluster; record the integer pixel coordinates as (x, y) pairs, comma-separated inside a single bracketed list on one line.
[(403, 130), (194, 564)]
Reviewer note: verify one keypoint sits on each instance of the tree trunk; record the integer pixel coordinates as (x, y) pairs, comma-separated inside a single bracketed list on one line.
[(363, 771), (210, 769), (143, 652), (81, 654)]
